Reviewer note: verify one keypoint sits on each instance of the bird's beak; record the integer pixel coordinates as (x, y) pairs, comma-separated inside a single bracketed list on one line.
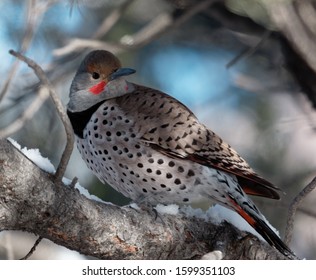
[(121, 72)]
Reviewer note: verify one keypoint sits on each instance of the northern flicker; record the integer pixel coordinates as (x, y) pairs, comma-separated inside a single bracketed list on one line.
[(150, 147)]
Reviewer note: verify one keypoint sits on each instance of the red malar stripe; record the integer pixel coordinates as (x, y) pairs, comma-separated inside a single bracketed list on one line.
[(98, 88)]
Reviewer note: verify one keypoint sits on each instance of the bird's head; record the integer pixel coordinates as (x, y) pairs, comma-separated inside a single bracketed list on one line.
[(99, 77)]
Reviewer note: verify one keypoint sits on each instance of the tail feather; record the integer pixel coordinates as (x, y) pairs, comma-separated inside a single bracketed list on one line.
[(264, 230)]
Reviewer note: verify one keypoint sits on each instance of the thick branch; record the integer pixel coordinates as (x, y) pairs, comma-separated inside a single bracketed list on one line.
[(30, 200)]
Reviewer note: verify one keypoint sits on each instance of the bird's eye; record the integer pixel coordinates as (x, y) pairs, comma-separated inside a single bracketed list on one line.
[(95, 75)]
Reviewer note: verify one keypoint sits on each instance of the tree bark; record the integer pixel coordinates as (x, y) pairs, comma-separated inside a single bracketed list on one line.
[(30, 200)]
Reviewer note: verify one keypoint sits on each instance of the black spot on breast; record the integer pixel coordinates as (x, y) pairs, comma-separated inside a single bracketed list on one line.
[(177, 181), (169, 139), (168, 175), (180, 169), (164, 125), (152, 130)]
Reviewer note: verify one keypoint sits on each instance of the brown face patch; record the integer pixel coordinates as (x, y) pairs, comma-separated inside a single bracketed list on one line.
[(102, 62)]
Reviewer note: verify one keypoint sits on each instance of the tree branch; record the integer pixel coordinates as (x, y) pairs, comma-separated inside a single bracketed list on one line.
[(27, 114), (288, 22), (161, 24), (34, 15), (32, 201), (293, 208), (112, 19), (59, 108)]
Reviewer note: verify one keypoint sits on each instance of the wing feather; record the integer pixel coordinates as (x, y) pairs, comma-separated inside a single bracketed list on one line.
[(171, 128)]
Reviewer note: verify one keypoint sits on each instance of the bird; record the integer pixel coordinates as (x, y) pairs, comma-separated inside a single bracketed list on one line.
[(150, 147)]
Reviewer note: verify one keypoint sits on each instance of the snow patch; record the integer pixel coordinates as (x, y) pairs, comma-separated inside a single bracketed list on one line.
[(171, 209), (214, 255), (35, 156), (188, 211), (134, 206), (84, 191), (14, 143)]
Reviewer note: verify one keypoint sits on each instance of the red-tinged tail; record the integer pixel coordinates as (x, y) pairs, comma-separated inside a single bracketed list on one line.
[(264, 230)]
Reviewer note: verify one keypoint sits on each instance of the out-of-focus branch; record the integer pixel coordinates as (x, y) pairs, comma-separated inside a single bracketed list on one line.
[(307, 13), (287, 21), (249, 51), (28, 113), (111, 20), (60, 110), (160, 25), (151, 32), (293, 208), (34, 15), (78, 44)]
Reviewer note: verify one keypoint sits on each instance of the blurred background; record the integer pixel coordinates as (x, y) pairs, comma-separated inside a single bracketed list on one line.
[(246, 68)]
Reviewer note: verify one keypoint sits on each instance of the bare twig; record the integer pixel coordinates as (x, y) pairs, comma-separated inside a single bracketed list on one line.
[(30, 253), (249, 51), (293, 208), (60, 110), (73, 182)]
